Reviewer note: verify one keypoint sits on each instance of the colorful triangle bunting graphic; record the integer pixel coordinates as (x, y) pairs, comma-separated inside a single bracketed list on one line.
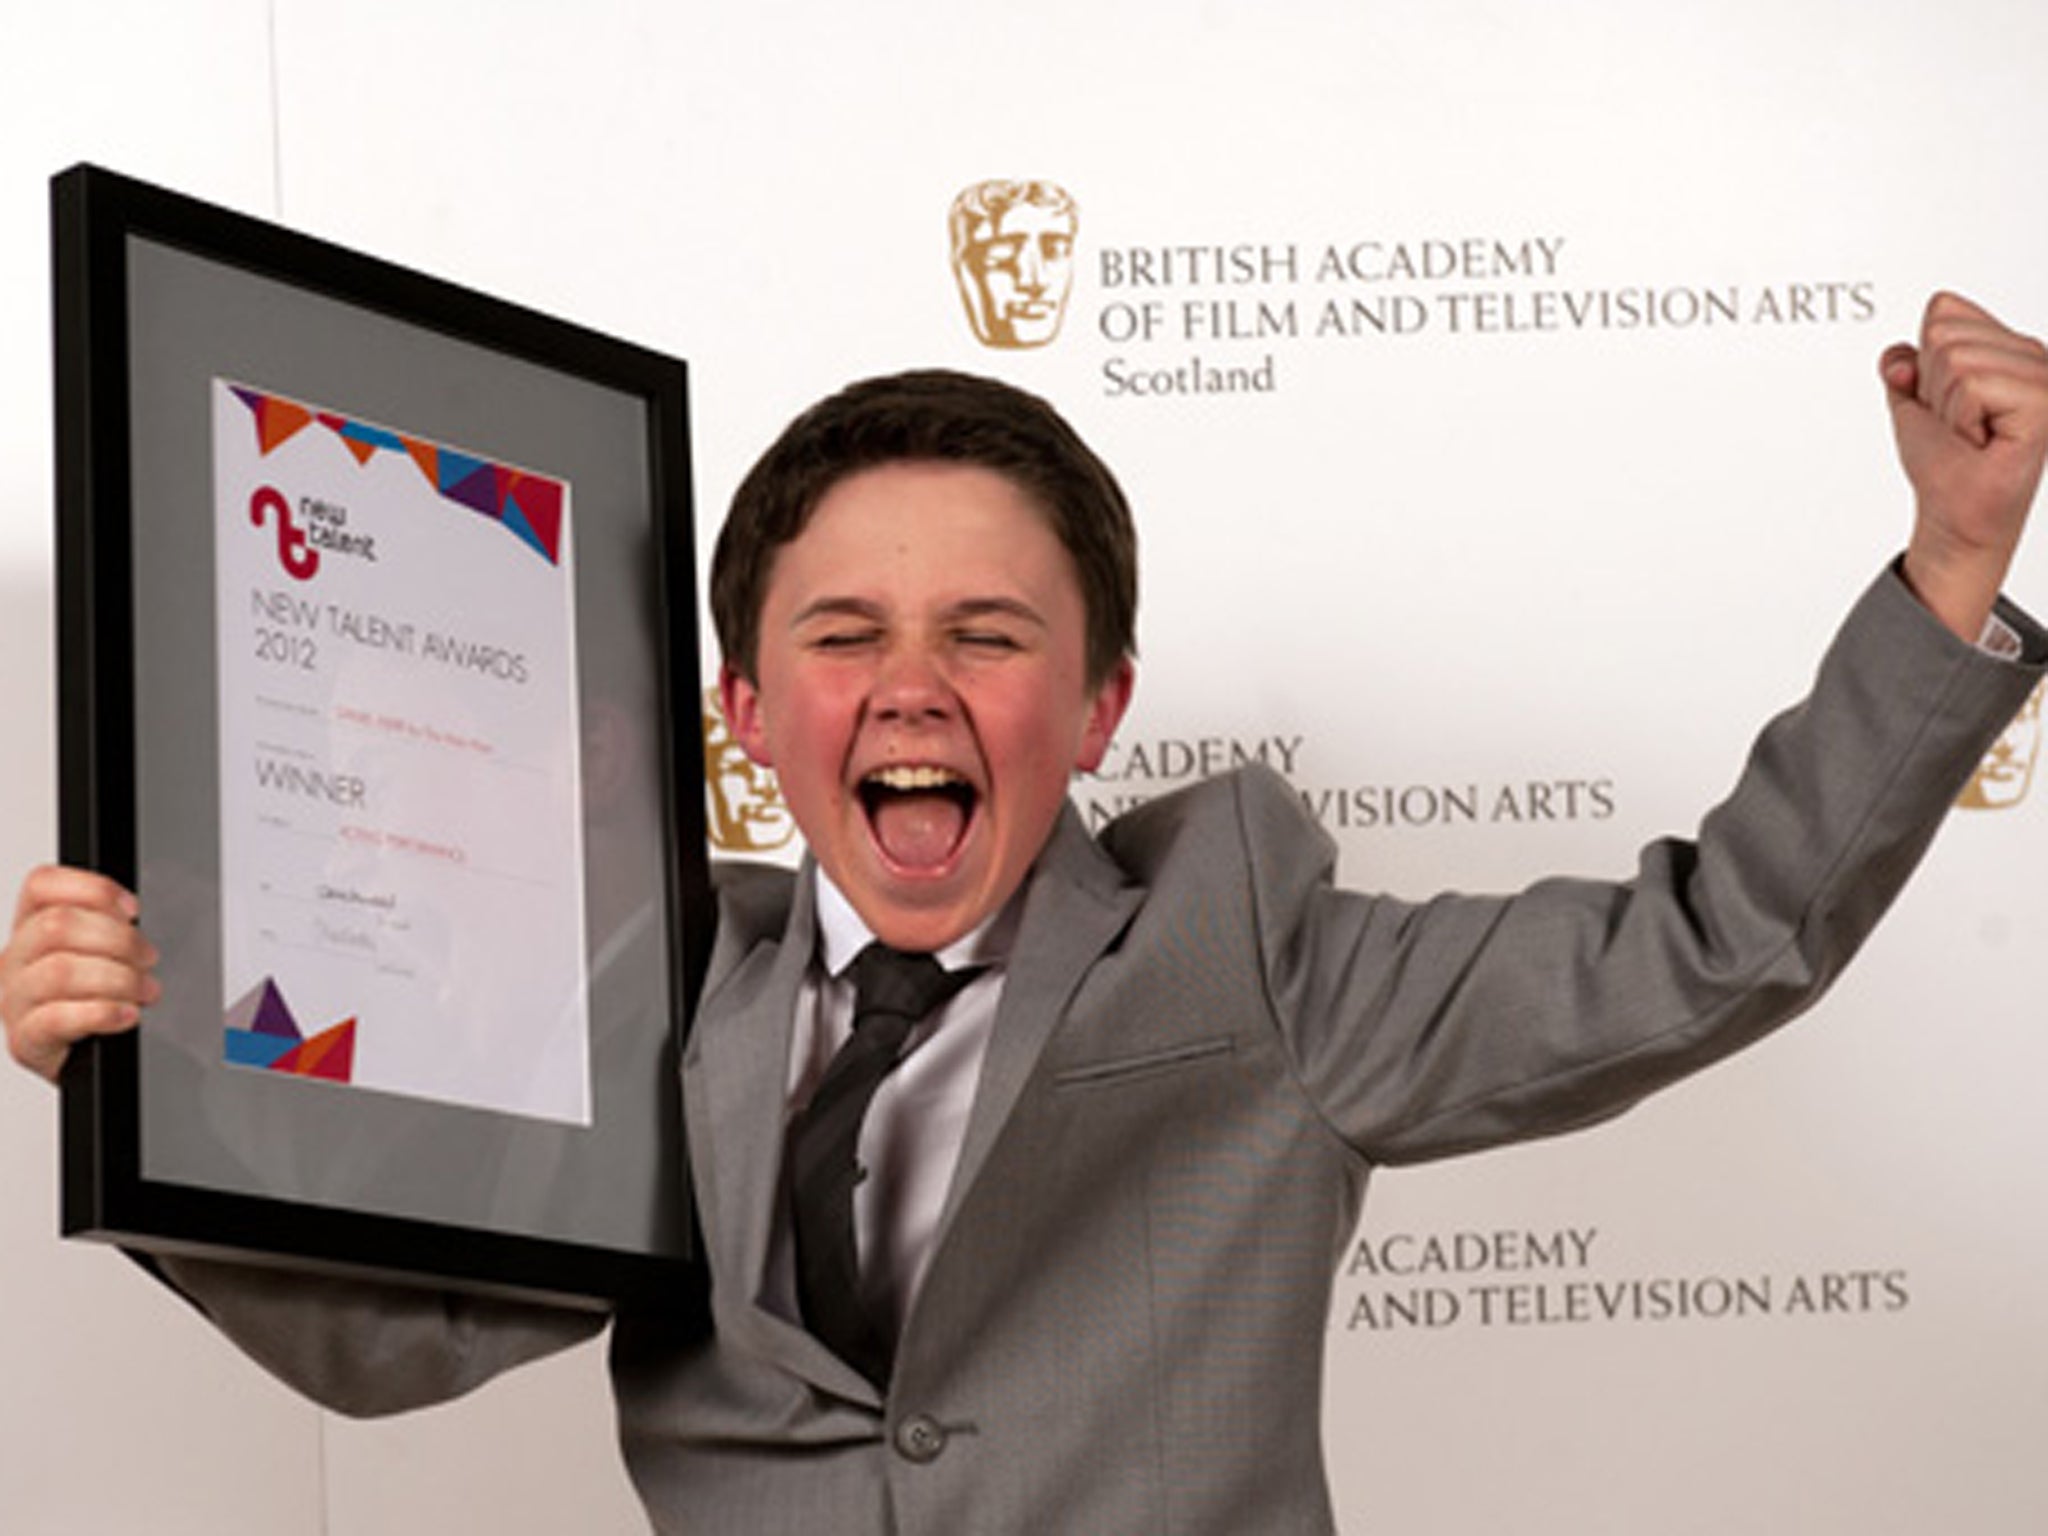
[(495, 490), (277, 420), (470, 483), (515, 522), (428, 457), (539, 501)]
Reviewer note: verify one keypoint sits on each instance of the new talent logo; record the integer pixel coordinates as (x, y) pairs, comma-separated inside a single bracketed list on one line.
[(1013, 259), (299, 559), (746, 810), (2007, 772)]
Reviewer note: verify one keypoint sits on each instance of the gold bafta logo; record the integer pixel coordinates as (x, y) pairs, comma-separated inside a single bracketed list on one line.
[(2007, 772), (747, 813), (1013, 257)]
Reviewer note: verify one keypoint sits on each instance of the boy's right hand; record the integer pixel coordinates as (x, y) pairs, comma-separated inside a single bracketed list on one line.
[(75, 965)]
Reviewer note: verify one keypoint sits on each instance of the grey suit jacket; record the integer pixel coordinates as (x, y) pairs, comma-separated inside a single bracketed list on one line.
[(1202, 1049)]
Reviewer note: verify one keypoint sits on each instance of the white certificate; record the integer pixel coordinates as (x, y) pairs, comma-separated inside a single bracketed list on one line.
[(401, 815)]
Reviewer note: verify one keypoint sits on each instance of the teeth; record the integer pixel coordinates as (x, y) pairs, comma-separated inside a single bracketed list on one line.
[(913, 778)]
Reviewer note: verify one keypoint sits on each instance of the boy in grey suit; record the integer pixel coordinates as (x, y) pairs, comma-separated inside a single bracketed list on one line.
[(1107, 1177)]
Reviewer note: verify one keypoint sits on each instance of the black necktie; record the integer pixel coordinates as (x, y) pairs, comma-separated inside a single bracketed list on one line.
[(892, 992)]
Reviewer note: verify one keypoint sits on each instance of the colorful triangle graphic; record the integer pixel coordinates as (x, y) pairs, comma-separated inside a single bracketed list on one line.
[(262, 1033), (538, 501), (469, 482), (329, 1054), (428, 457), (277, 420), (273, 1015)]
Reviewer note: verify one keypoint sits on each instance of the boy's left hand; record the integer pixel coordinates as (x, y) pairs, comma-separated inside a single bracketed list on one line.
[(1970, 414)]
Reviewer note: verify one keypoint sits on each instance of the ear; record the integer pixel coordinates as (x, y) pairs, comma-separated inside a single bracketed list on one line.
[(1106, 708), (741, 702)]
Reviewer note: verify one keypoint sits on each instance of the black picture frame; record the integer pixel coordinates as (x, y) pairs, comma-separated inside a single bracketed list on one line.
[(164, 1150)]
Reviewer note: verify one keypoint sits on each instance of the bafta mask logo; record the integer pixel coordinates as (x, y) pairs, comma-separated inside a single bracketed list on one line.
[(745, 805), (2007, 771), (1013, 257)]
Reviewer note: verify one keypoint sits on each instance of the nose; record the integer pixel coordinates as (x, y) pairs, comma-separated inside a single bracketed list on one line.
[(910, 687)]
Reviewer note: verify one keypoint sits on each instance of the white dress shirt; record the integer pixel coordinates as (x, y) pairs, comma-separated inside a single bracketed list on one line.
[(910, 1140)]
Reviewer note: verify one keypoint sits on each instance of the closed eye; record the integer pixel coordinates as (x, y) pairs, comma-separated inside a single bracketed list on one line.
[(989, 640), (995, 625), (842, 639)]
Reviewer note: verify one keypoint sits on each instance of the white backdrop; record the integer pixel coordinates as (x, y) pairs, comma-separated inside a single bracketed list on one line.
[(1519, 555)]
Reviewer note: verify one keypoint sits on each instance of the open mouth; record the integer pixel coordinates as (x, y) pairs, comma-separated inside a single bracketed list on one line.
[(918, 813)]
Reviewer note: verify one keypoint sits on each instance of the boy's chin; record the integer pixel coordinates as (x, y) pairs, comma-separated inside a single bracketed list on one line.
[(922, 913), (921, 933)]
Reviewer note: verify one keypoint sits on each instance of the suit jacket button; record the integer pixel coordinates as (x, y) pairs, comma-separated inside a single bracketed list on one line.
[(920, 1438)]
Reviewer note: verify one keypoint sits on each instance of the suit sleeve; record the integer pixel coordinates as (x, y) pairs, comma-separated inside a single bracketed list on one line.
[(364, 1348), (1427, 1030)]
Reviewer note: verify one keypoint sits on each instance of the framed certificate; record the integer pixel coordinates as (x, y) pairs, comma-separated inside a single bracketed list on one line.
[(378, 681)]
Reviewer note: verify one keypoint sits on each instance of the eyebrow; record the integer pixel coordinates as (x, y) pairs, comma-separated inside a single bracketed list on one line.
[(966, 608), (835, 608), (996, 607)]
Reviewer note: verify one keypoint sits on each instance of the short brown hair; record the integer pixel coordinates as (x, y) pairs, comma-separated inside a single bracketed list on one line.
[(931, 416)]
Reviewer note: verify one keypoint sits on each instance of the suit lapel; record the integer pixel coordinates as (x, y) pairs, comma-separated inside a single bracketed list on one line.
[(735, 1084), (1076, 905)]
